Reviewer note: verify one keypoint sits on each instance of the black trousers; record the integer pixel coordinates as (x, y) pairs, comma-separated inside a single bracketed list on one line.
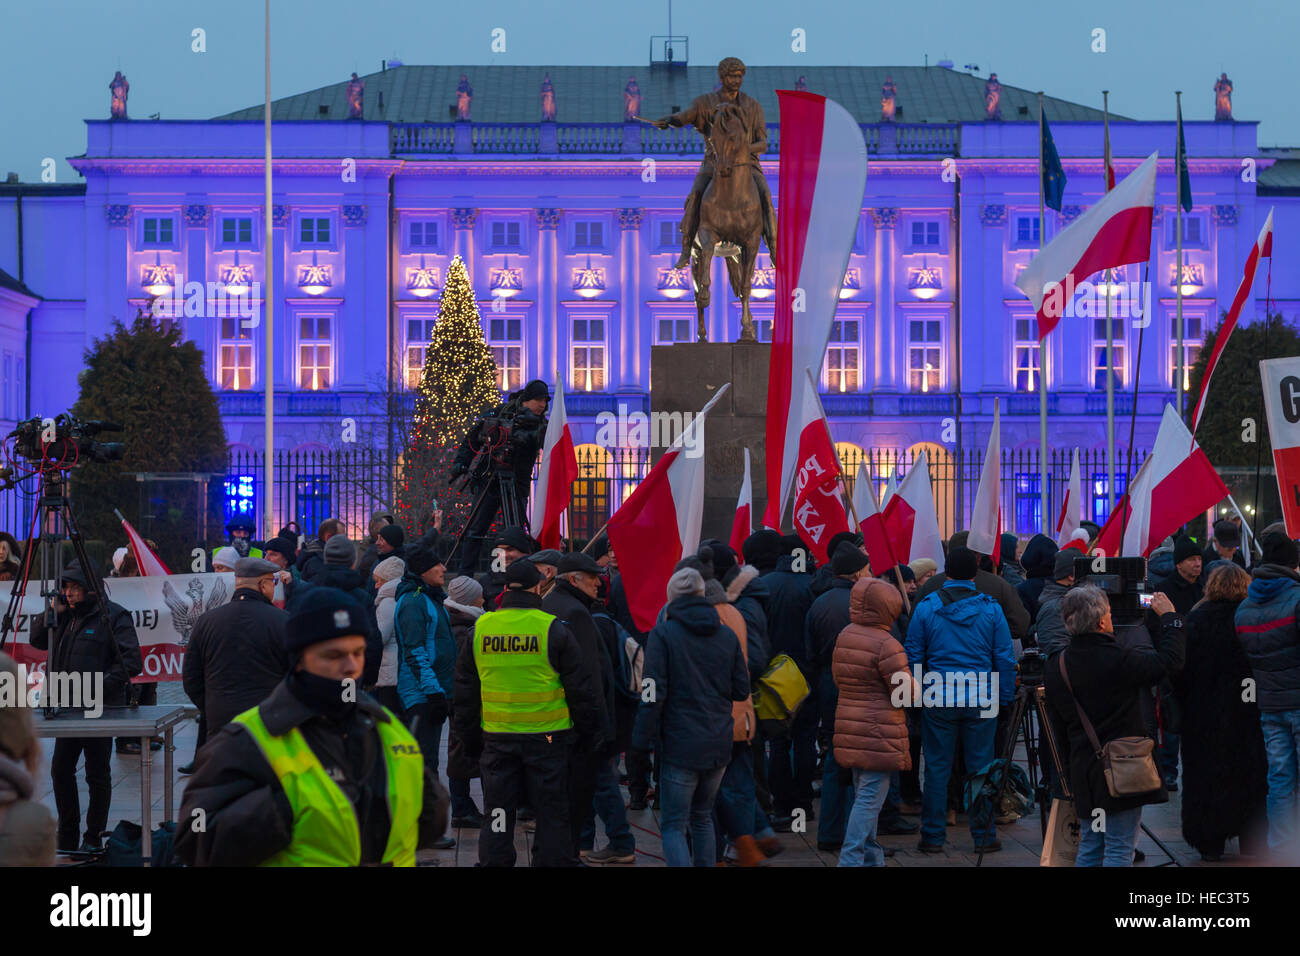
[(532, 771), (639, 770), (583, 767), (99, 780)]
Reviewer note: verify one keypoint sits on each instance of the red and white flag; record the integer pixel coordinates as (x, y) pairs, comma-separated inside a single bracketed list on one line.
[(1172, 487), (986, 515), (1071, 516), (1263, 249), (555, 476), (742, 526), (871, 522), (818, 509), (1113, 233), (911, 518), (148, 562), (659, 523), (891, 487), (823, 176)]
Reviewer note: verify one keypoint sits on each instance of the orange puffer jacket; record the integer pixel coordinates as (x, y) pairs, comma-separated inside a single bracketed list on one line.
[(870, 732), (742, 711)]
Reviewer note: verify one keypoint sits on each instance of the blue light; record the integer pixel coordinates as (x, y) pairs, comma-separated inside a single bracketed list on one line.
[(241, 497)]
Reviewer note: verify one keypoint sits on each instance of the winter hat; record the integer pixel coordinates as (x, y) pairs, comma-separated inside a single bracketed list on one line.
[(904, 572), (724, 559), (705, 554), (839, 538), (762, 548), (1063, 567), (962, 564), (546, 556), (340, 552), (714, 592), (577, 561), (1185, 548), (790, 543), (1280, 549), (685, 583), (522, 575), (847, 560), (118, 557), (535, 389), (226, 557), (464, 590), (1227, 534), (422, 558), (281, 546), (391, 533), (389, 569), (323, 614), (517, 538), (254, 568), (923, 566), (690, 561)]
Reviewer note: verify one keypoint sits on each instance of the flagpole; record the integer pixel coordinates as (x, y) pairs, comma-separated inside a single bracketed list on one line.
[(268, 298), (1178, 267), (1110, 336), (1042, 342)]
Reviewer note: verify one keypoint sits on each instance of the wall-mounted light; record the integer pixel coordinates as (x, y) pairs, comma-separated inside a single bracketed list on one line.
[(158, 278), (505, 283), (1193, 278), (588, 282), (236, 279), (852, 283), (422, 281), (314, 279), (674, 283), (925, 282), (763, 285)]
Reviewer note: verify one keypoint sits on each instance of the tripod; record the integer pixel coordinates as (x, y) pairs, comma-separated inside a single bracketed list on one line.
[(54, 517), (1020, 725), (502, 482)]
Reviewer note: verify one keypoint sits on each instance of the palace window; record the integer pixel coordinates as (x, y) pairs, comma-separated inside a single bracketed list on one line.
[(422, 235), (235, 355), (236, 231), (314, 231), (1027, 361), (1194, 233), (1192, 339), (506, 339), (1099, 351), (925, 234), (157, 232), (315, 352), (669, 329), (1028, 230), (588, 355), (669, 237), (1029, 507), (1100, 508), (924, 344), (589, 234), (419, 333), (505, 235), (842, 356)]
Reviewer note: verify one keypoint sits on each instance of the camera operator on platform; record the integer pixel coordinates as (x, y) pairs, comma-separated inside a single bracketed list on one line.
[(524, 414)]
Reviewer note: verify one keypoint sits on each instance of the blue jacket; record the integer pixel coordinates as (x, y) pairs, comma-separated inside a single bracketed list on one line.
[(968, 635), (426, 658), (1269, 632), (697, 670)]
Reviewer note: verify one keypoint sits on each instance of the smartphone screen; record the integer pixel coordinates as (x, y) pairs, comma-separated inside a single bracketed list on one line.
[(1144, 598)]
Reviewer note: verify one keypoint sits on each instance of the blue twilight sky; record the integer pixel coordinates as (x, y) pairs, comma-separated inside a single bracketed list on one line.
[(60, 55)]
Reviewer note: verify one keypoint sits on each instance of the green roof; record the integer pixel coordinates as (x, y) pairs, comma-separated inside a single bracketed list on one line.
[(1283, 177), (594, 94)]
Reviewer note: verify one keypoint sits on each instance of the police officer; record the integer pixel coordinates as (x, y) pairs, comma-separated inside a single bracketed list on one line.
[(318, 774), (524, 698), (241, 530)]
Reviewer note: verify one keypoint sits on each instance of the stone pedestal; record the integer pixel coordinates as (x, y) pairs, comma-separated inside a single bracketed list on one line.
[(683, 377)]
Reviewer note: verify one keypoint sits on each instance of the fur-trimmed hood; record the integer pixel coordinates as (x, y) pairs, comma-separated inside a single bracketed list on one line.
[(744, 575)]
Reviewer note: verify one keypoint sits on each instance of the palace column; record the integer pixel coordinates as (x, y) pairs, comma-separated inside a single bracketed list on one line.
[(628, 340), (887, 377), (548, 319)]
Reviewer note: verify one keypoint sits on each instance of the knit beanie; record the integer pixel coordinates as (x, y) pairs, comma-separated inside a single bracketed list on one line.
[(1279, 549), (464, 590), (962, 564), (762, 548), (389, 569), (1185, 548), (226, 557), (340, 552), (685, 583), (393, 534), (323, 614)]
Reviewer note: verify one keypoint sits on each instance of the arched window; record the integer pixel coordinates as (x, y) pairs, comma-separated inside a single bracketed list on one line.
[(590, 501)]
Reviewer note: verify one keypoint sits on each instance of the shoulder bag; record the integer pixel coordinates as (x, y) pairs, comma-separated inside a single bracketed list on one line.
[(1128, 762)]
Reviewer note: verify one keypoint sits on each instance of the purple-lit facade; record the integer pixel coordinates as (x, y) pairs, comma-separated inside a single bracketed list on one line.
[(569, 231)]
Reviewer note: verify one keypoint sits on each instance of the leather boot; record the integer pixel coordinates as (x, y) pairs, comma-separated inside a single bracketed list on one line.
[(748, 852)]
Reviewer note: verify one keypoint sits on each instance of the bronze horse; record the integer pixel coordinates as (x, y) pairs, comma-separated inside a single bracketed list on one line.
[(731, 218)]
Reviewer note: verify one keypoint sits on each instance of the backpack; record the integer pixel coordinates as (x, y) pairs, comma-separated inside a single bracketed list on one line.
[(633, 661), (778, 694)]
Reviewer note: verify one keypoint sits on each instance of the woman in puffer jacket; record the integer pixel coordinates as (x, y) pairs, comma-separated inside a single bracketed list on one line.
[(870, 731), (387, 575)]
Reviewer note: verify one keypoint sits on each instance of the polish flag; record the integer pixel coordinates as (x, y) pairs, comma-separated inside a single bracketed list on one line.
[(891, 487), (1172, 487), (1071, 516), (818, 509), (823, 176), (911, 518), (659, 523), (1114, 232), (743, 524), (871, 522), (986, 516), (555, 477), (1263, 248), (148, 562)]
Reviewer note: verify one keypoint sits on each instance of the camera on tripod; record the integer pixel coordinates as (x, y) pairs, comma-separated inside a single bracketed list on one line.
[(64, 441), (1121, 579)]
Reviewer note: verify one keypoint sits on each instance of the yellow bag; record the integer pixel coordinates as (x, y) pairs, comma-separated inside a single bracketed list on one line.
[(778, 695)]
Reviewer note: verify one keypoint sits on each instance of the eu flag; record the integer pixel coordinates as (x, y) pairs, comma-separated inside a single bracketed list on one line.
[(1184, 178), (1049, 161)]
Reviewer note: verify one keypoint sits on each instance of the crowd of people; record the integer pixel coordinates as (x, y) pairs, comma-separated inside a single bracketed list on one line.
[(336, 664)]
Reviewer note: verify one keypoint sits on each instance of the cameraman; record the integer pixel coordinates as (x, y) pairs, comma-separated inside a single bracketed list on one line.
[(524, 414)]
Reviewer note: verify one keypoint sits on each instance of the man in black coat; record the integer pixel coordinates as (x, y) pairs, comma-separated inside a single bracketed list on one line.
[(237, 654), (577, 583), (87, 645), (335, 571), (253, 811)]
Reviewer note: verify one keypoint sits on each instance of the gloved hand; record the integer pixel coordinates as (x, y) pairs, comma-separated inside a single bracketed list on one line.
[(438, 709)]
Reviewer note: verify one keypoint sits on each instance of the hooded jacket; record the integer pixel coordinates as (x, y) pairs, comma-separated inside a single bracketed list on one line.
[(1039, 561), (83, 643), (696, 670), (986, 582), (426, 663), (968, 635), (789, 598), (1269, 631), (868, 665)]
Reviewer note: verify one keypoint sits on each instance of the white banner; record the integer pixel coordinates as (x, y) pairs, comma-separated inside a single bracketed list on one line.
[(1281, 380), (164, 609)]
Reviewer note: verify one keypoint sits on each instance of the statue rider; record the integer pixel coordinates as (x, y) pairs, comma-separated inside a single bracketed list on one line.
[(731, 71)]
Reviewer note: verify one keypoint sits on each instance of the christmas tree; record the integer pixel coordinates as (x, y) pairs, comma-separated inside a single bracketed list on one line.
[(458, 384)]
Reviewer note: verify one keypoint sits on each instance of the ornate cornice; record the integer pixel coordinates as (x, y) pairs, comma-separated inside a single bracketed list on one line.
[(463, 218), (199, 166), (354, 215), (548, 218), (885, 217), (197, 214)]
